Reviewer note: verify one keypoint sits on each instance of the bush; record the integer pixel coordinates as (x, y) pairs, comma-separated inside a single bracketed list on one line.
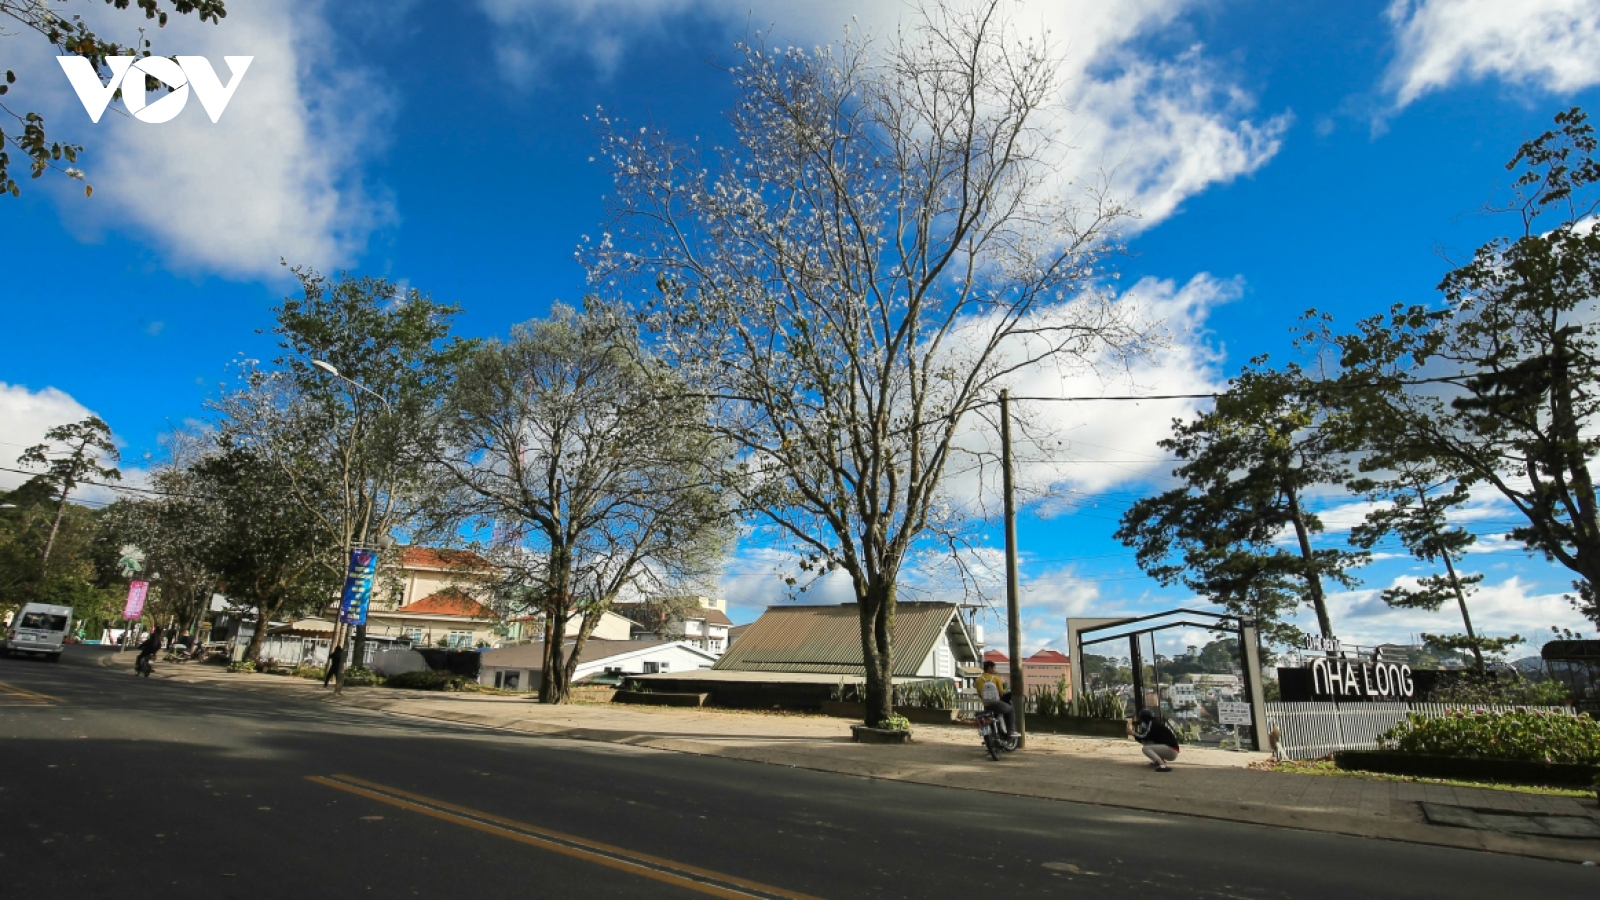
[(243, 665), (895, 723), (939, 694), (1101, 704), (314, 673), (358, 676), (1493, 691), (429, 680), (1528, 735)]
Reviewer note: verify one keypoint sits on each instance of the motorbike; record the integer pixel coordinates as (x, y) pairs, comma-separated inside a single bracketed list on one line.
[(141, 666), (996, 736)]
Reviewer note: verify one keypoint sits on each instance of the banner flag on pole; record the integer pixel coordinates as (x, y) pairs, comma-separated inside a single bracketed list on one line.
[(358, 587), (136, 594)]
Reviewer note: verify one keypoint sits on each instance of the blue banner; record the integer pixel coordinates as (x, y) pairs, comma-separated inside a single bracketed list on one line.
[(358, 587)]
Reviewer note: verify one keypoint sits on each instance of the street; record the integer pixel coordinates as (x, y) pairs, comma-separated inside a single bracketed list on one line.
[(116, 786)]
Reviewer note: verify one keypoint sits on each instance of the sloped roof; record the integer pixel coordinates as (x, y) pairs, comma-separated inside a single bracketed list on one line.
[(1049, 657), (995, 656), (531, 655), (827, 639), (448, 602), (634, 612), (440, 558)]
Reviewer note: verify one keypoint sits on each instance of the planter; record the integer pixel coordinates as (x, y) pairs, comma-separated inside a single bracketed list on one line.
[(1080, 725), (861, 734), (651, 698), (1468, 768), (849, 709)]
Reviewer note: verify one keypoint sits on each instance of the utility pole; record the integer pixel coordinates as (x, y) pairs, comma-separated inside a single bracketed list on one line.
[(1019, 693)]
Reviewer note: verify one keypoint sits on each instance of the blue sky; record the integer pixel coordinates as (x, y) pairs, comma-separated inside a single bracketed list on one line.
[(1284, 156)]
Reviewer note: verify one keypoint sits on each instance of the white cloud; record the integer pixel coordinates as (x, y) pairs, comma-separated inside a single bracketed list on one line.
[(25, 416), (1161, 129), (1548, 44), (1512, 606), (278, 176)]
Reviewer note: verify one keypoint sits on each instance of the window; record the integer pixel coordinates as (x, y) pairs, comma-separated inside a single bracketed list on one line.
[(44, 621), (652, 668), (413, 634), (460, 640), (513, 681)]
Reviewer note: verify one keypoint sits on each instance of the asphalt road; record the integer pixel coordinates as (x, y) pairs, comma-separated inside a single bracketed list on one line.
[(112, 786)]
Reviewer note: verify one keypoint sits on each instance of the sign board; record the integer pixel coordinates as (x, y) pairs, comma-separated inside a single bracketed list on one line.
[(1322, 644), (358, 587), (136, 594), (1233, 712)]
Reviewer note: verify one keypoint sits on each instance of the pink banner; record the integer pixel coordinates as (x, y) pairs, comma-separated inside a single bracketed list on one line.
[(136, 592)]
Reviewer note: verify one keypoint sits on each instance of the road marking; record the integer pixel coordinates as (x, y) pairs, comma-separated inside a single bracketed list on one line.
[(704, 881), (24, 697)]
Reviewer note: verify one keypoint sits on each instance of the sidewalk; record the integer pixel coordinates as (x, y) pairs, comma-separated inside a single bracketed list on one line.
[(1205, 782)]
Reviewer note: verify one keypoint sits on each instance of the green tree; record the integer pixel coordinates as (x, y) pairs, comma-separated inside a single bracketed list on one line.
[(348, 445), (27, 517), (71, 454), (71, 35), (595, 462), (1498, 381), (1248, 465), (270, 550)]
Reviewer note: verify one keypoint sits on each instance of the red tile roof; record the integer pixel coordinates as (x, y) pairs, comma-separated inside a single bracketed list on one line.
[(1049, 657), (448, 602), (438, 558), (995, 656)]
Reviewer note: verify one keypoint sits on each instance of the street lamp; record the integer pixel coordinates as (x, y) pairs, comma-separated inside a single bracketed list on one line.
[(341, 634), (329, 367)]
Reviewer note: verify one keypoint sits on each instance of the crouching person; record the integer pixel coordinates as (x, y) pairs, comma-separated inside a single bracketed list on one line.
[(1160, 743)]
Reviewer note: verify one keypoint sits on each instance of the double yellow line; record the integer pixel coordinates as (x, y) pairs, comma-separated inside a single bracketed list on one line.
[(694, 878), (33, 697)]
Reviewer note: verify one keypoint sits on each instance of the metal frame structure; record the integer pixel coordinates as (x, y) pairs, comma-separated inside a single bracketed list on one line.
[(1243, 626)]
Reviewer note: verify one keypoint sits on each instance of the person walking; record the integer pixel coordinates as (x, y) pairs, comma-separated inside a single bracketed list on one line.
[(1160, 743), (335, 663)]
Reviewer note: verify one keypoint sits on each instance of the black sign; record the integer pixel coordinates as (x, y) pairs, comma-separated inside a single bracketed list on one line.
[(1356, 681)]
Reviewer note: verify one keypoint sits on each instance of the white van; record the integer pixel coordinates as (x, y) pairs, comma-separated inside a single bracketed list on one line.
[(38, 628)]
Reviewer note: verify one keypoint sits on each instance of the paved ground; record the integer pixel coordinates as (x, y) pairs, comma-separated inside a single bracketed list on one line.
[(1211, 783), (117, 786)]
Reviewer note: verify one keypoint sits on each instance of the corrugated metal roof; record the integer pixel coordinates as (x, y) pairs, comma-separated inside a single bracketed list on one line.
[(827, 639)]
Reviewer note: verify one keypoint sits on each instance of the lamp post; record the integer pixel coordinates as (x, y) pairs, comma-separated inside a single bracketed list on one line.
[(341, 633)]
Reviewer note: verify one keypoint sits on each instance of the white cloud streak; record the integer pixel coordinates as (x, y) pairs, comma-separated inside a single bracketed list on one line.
[(1156, 130), (1545, 44), (278, 176)]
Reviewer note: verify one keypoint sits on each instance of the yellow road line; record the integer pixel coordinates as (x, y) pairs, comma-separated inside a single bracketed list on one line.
[(26, 694), (694, 878)]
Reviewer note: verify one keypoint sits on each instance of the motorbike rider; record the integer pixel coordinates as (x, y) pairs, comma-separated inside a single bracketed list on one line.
[(1160, 743), (147, 650), (992, 691)]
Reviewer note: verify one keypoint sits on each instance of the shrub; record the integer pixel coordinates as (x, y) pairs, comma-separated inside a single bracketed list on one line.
[(1529, 735), (939, 694), (429, 680), (1101, 704), (1514, 691), (1051, 700), (243, 665), (314, 673), (358, 676), (895, 723)]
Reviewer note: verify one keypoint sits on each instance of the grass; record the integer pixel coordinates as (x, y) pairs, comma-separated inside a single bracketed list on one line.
[(1326, 767)]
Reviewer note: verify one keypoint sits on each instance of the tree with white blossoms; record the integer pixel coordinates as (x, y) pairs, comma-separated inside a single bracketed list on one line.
[(596, 466), (888, 245)]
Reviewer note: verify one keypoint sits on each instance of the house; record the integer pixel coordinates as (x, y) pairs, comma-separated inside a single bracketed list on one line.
[(611, 627), (796, 656), (433, 595), (1044, 669), (520, 668), (706, 626)]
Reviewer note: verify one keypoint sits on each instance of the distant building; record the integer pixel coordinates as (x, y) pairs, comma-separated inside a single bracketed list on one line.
[(520, 668), (706, 627), (1044, 669)]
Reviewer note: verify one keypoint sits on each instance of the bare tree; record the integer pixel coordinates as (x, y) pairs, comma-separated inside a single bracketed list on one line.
[(889, 243), (594, 461)]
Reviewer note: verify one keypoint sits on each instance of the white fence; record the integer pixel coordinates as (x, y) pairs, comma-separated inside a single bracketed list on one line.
[(1311, 730)]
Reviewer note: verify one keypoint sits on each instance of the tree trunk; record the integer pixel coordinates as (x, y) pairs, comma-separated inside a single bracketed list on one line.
[(1313, 580), (876, 616), (1461, 601), (1579, 484), (553, 687), (50, 542), (264, 617)]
